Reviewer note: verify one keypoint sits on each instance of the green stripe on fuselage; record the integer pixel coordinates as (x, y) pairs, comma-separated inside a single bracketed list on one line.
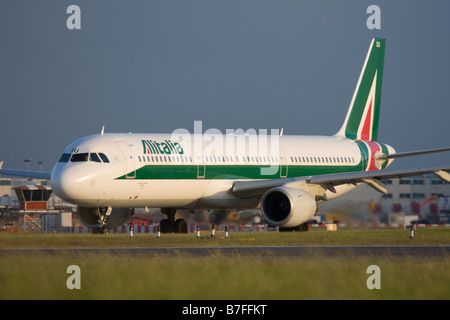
[(182, 171), (365, 154)]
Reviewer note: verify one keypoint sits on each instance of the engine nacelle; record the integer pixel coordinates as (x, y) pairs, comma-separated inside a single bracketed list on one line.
[(91, 216), (287, 207)]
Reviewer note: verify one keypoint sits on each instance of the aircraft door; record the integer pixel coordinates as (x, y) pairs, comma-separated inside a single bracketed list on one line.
[(201, 171), (198, 160), (283, 166), (129, 159)]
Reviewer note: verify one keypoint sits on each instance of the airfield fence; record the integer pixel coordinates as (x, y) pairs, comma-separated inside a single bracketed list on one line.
[(237, 228)]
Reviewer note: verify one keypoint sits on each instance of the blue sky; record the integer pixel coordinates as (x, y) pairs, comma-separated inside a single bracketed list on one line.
[(155, 66)]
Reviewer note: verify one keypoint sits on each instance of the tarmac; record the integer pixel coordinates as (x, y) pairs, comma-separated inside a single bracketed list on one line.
[(295, 252)]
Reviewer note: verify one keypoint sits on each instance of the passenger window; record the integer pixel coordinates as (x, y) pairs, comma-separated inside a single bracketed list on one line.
[(94, 157), (104, 157)]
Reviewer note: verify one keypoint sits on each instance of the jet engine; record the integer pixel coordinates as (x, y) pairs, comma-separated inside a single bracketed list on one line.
[(287, 207), (104, 219)]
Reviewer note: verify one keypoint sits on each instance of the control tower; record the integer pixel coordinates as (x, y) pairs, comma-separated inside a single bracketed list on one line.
[(33, 197)]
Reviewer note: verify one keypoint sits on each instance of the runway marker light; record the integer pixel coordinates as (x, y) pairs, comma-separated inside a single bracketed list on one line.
[(198, 232), (226, 232), (131, 231), (158, 232), (212, 231)]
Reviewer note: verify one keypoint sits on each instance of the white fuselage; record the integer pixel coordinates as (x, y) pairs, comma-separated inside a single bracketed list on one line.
[(151, 170)]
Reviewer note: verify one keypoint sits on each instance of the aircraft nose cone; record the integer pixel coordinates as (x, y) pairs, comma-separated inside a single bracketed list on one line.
[(65, 182)]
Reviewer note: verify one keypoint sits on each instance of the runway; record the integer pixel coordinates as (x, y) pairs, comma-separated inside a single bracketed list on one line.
[(297, 252)]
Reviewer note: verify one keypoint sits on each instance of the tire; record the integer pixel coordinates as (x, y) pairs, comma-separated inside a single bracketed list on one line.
[(180, 226), (300, 228), (165, 226)]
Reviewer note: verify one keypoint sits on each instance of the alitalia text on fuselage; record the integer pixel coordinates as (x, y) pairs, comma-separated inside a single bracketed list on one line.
[(165, 147)]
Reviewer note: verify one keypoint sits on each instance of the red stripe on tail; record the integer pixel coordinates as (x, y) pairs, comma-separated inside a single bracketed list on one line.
[(365, 132)]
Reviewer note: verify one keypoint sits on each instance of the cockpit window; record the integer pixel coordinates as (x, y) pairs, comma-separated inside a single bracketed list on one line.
[(79, 157), (104, 157), (65, 157), (94, 157)]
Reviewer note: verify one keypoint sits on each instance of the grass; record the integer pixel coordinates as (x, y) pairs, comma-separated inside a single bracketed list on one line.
[(38, 275), (422, 236), (104, 276)]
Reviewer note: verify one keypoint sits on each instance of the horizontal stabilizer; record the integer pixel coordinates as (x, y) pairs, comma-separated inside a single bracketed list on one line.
[(408, 154)]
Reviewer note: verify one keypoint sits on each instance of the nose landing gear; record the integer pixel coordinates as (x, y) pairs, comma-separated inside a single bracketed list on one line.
[(103, 217)]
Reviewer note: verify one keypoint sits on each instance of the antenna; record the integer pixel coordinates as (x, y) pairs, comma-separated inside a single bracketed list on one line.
[(281, 132), (103, 130)]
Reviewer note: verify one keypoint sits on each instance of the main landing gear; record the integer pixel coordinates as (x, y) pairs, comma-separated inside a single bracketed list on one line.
[(170, 225), (301, 228)]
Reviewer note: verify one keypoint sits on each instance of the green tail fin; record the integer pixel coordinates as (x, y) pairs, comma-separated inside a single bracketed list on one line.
[(362, 118)]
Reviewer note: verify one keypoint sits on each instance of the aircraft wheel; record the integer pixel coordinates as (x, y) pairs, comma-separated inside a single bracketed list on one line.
[(300, 228), (180, 226), (165, 226)]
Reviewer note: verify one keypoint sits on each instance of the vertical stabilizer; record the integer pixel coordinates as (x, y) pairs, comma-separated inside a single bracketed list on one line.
[(362, 118)]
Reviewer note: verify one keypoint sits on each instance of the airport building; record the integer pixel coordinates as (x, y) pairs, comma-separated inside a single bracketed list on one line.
[(416, 198), (30, 205)]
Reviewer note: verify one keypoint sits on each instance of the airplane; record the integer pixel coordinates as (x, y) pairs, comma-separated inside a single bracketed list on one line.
[(108, 175)]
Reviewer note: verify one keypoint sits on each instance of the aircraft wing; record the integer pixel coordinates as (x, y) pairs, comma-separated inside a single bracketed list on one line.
[(256, 188), (25, 173)]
